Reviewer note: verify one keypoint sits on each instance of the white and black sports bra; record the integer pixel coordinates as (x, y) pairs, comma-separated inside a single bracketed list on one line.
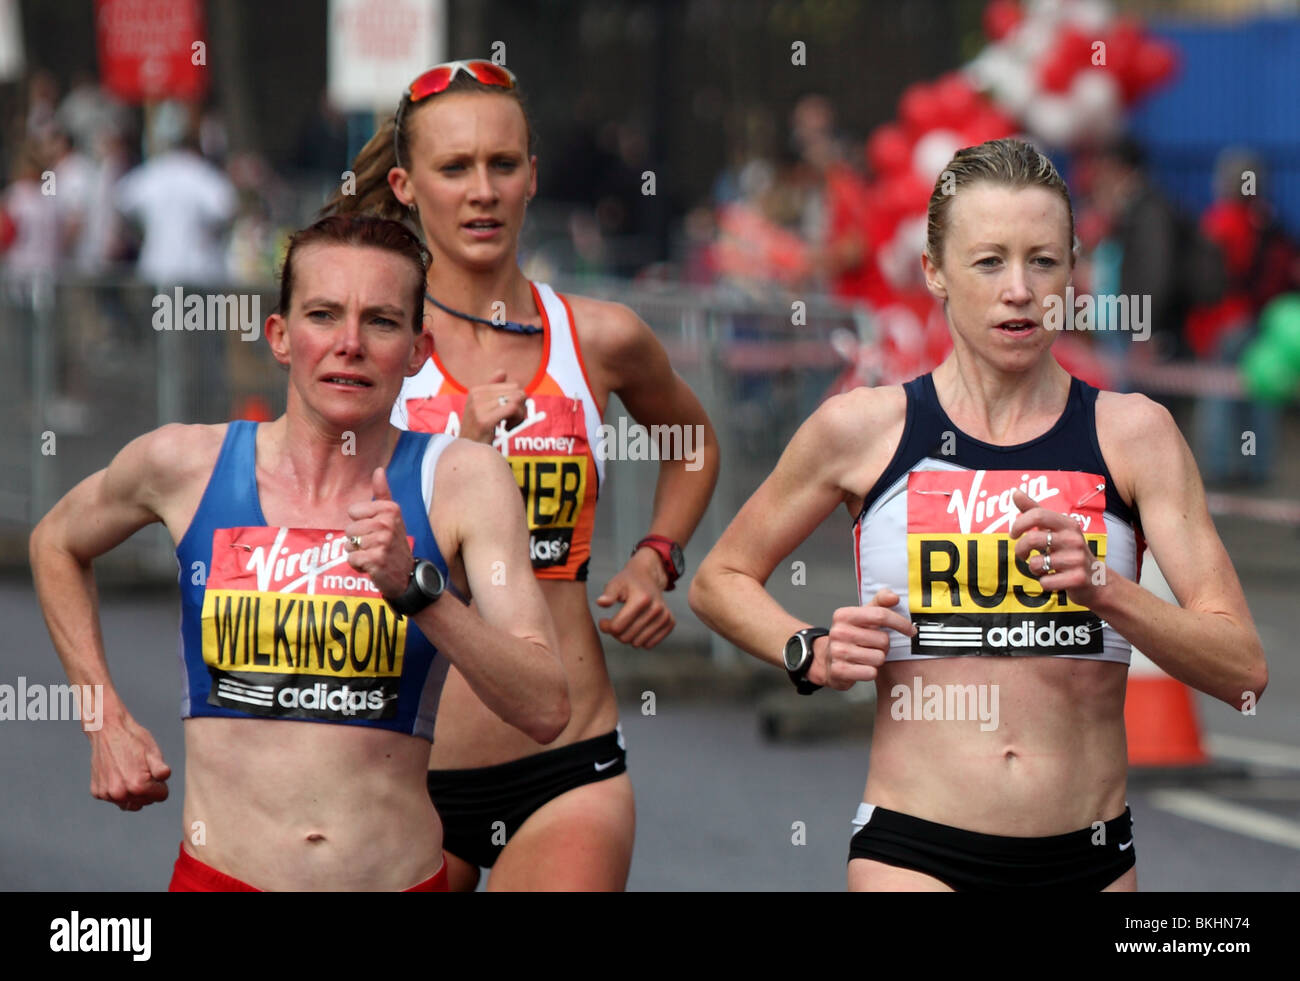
[(934, 529)]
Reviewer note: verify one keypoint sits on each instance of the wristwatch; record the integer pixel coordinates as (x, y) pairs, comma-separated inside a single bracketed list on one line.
[(425, 586), (799, 658), (670, 553)]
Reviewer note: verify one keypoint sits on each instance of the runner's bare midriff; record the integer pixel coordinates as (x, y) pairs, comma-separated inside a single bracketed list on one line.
[(468, 734), (307, 805), (1055, 763)]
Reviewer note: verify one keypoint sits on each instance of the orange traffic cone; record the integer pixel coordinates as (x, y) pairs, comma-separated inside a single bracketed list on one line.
[(1164, 734), (1160, 718), (254, 408)]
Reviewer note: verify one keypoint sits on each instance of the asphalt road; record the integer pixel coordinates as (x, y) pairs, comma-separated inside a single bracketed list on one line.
[(716, 804)]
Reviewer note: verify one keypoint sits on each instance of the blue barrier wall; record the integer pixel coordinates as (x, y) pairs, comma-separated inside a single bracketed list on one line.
[(1237, 84)]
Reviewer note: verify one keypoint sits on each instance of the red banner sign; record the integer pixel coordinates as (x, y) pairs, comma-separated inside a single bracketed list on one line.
[(152, 49)]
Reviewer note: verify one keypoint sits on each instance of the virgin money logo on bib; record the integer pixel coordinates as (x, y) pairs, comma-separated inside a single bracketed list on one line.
[(291, 630), (967, 591), (548, 453)]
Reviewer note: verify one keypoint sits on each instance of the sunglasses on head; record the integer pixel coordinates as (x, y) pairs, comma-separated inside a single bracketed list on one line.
[(439, 77)]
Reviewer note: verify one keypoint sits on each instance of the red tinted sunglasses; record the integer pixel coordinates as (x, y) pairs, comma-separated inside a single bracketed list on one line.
[(437, 78)]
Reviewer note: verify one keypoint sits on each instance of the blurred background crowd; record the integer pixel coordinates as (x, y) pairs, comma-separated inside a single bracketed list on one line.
[(760, 152), (749, 176)]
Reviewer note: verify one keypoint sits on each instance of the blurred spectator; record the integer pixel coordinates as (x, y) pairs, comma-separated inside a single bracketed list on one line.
[(838, 212), (42, 103), (86, 110), (323, 142), (1139, 255), (101, 242), (214, 140), (1258, 259), (599, 169), (34, 250), (254, 238), (74, 175), (183, 204)]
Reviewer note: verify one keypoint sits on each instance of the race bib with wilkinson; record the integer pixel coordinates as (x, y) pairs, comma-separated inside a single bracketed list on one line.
[(547, 452), (290, 630), (967, 591)]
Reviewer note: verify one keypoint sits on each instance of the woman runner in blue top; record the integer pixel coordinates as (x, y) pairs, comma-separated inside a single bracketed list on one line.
[(314, 551)]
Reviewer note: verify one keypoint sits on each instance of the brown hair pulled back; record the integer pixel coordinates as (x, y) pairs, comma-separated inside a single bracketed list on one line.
[(366, 231)]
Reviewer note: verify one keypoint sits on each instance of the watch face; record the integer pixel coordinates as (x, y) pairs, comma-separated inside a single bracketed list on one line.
[(679, 560), (429, 579), (793, 653)]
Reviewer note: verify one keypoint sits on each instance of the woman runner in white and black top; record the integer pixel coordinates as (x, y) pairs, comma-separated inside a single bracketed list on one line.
[(999, 508)]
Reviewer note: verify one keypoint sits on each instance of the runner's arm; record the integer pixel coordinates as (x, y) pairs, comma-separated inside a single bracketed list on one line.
[(127, 767), (634, 365), (506, 648), (98, 514), (809, 482), (637, 369), (1210, 643)]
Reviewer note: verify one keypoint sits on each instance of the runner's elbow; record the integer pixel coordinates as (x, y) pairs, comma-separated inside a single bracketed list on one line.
[(1247, 686), (702, 593), (41, 543), (35, 543), (552, 717), (1258, 681)]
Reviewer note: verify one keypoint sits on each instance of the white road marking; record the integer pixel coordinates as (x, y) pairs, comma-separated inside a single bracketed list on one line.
[(1210, 810), (1253, 751)]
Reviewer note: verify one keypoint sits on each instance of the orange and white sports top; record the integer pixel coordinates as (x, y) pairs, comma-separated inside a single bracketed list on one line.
[(557, 452)]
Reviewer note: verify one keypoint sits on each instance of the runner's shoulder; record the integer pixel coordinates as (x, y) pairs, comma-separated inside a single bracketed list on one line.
[(592, 313), (605, 328), (858, 418), (1139, 438), (171, 455), (473, 480), (466, 461), (1135, 425)]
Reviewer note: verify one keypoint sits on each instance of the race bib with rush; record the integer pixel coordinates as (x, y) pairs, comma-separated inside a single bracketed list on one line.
[(291, 630), (967, 591), (549, 456)]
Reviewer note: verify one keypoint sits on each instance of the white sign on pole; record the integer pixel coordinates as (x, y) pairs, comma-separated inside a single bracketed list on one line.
[(11, 41), (377, 47)]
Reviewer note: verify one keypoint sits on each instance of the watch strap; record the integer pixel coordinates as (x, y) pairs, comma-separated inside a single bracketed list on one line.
[(416, 599), (664, 546), (800, 678)]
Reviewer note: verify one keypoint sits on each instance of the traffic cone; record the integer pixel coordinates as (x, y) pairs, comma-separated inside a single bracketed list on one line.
[(1160, 718), (1164, 734)]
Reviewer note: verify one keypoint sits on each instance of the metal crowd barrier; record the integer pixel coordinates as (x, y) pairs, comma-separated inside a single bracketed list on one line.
[(87, 372)]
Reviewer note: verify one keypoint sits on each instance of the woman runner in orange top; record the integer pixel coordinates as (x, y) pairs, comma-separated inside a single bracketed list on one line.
[(530, 371)]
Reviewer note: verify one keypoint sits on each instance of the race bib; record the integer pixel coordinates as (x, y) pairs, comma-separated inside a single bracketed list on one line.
[(967, 591), (547, 452), (291, 630)]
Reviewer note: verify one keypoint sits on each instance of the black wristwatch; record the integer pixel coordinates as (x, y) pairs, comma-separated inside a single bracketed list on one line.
[(799, 658), (425, 586)]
